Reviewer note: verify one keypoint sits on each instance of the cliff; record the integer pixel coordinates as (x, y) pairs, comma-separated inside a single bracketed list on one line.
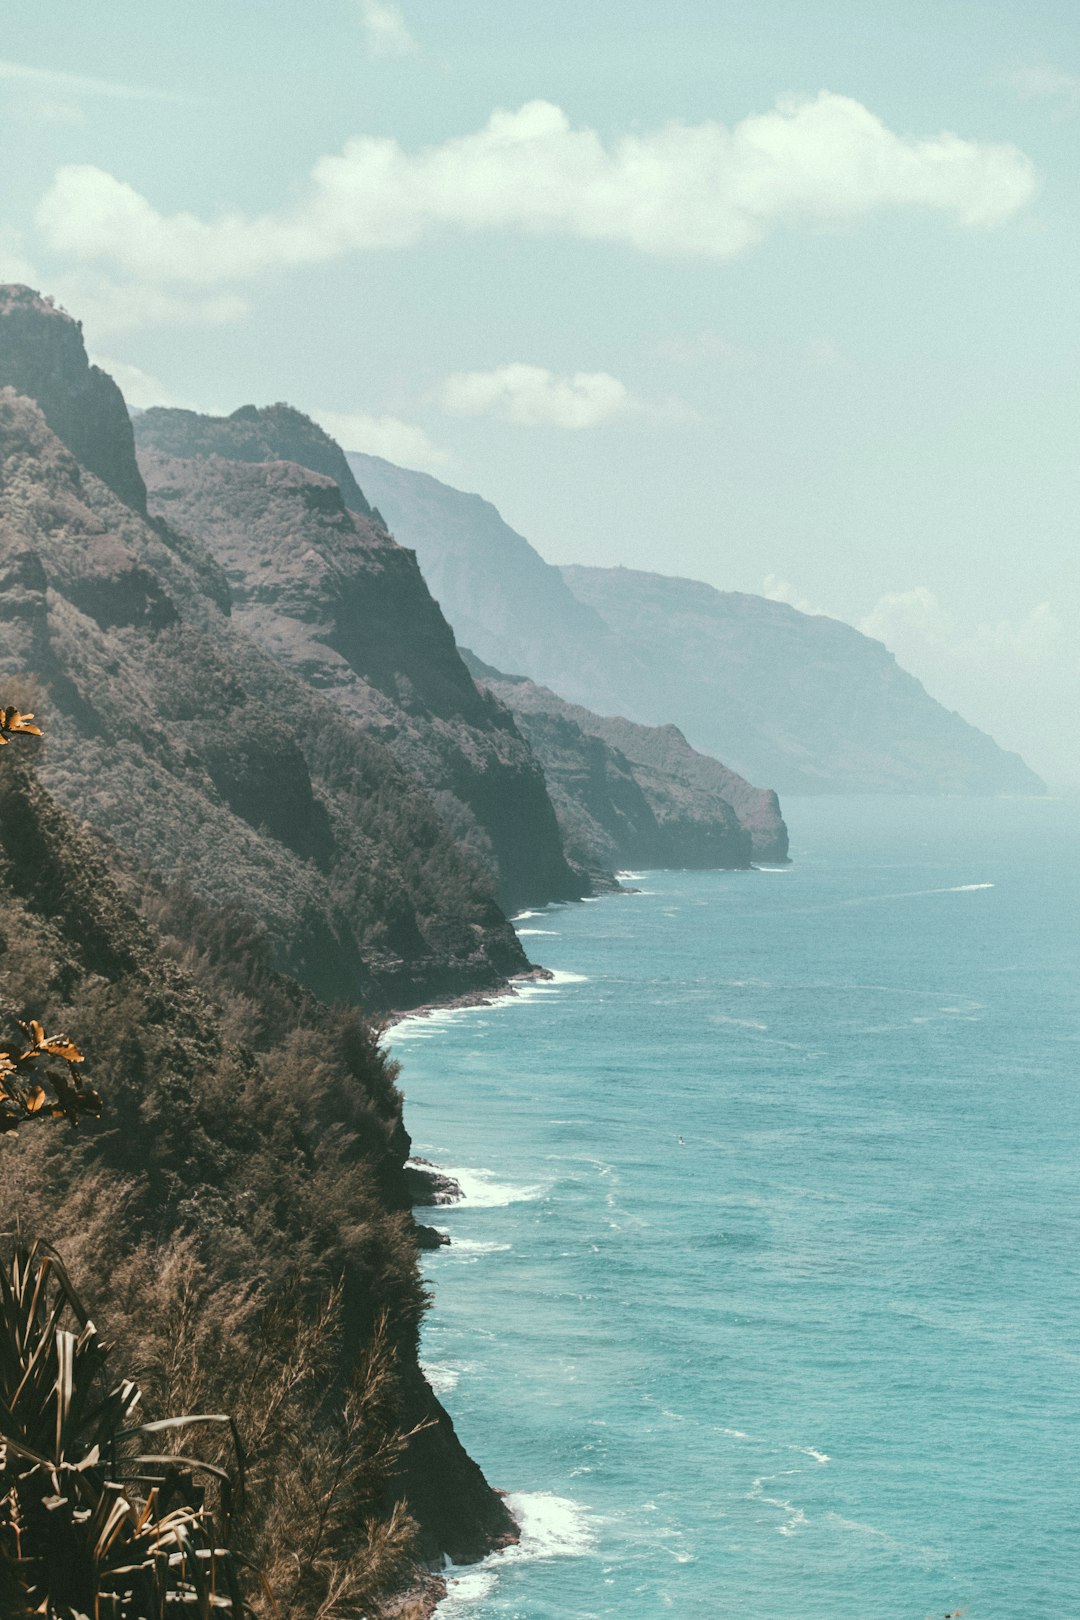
[(630, 795), (248, 1164), (42, 356), (206, 761), (799, 701), (326, 591), (272, 433)]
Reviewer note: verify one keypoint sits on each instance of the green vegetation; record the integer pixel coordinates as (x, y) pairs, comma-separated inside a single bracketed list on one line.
[(238, 1218)]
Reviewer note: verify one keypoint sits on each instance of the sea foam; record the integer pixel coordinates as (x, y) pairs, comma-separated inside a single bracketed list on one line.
[(482, 1191), (551, 1527)]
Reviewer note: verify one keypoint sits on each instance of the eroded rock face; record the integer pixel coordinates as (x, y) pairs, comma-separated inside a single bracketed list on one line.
[(270, 433), (330, 595), (796, 699), (210, 764), (630, 795), (278, 1186), (42, 356)]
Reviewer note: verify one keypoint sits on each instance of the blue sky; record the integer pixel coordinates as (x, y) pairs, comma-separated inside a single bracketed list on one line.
[(779, 297)]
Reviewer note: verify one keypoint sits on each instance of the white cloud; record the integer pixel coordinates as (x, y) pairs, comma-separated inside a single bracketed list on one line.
[(386, 436), (917, 620), (108, 306), (1046, 83), (782, 590), (684, 190), (139, 387), (532, 396), (77, 84), (386, 29)]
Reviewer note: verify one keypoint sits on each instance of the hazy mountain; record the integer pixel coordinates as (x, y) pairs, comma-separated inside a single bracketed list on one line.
[(631, 795), (504, 601), (802, 702), (328, 593)]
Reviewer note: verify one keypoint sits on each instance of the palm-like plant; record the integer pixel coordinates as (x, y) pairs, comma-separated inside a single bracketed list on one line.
[(97, 1520)]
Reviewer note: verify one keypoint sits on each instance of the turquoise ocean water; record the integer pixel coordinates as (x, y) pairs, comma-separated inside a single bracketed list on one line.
[(765, 1299)]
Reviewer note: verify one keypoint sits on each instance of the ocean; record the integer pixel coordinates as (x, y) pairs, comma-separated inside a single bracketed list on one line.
[(764, 1301)]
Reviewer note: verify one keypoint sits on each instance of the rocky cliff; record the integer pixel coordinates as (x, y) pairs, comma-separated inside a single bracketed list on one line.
[(246, 1177), (325, 590), (802, 702), (42, 356), (209, 763), (630, 795)]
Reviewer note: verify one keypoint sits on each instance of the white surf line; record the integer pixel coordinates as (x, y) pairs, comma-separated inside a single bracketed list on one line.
[(551, 1527)]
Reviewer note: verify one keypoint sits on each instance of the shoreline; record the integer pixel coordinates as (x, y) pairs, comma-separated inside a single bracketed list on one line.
[(468, 998)]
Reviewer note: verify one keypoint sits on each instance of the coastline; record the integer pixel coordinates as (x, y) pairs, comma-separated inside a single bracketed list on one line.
[(469, 998), (429, 1587)]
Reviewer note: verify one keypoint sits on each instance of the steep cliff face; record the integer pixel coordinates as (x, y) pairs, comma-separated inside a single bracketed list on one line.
[(209, 763), (632, 795), (799, 701), (272, 433), (228, 1187), (505, 602), (330, 595), (42, 356)]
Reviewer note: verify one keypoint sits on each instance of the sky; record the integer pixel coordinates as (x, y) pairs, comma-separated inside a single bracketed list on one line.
[(780, 297)]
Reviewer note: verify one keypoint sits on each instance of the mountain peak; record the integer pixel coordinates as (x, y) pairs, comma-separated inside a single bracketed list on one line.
[(42, 355), (255, 433)]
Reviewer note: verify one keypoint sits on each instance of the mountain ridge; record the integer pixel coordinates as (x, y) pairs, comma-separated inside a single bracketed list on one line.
[(203, 759), (634, 795), (801, 702), (330, 595)]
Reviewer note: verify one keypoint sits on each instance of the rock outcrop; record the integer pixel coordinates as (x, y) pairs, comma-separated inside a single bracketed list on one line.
[(208, 763), (327, 592), (630, 795), (42, 355)]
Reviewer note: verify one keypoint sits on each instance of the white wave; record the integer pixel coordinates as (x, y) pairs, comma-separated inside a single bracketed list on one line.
[(564, 976), (465, 1589), (796, 1518), (551, 1527), (821, 1457), (443, 1376), (422, 1026), (632, 877), (776, 870), (482, 1191), (522, 916), (475, 1246), (535, 933), (914, 894)]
